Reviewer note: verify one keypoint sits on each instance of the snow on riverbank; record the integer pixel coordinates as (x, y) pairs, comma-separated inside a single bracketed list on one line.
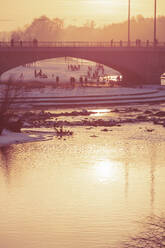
[(7, 137), (88, 91)]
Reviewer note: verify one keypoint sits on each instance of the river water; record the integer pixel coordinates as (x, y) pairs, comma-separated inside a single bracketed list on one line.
[(89, 190)]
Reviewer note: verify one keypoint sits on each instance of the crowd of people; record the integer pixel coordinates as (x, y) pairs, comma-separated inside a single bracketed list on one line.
[(20, 43), (94, 75), (83, 75), (73, 67), (39, 74), (96, 72)]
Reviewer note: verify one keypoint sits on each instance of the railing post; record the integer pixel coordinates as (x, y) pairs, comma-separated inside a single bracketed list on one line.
[(147, 43)]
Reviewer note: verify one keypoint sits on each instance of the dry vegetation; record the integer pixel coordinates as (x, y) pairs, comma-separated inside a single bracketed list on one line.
[(153, 235)]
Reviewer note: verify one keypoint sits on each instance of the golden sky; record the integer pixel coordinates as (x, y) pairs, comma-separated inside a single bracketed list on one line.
[(17, 13)]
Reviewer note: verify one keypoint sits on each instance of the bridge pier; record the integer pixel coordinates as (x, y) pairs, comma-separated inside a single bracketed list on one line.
[(132, 79), (153, 77), (150, 78)]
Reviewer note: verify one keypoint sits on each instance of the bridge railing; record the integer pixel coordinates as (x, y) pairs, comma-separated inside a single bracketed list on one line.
[(72, 44)]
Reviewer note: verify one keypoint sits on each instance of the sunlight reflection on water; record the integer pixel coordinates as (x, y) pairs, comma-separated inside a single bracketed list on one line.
[(81, 191), (100, 112), (106, 171)]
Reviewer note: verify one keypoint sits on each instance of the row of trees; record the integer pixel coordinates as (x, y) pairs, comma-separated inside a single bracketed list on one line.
[(46, 29)]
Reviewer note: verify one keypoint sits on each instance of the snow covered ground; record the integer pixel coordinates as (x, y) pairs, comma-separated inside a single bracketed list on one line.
[(53, 68), (84, 96)]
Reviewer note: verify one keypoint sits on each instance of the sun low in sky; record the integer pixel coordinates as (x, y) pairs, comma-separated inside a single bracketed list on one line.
[(17, 13)]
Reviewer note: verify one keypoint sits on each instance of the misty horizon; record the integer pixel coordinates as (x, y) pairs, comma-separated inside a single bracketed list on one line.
[(45, 29)]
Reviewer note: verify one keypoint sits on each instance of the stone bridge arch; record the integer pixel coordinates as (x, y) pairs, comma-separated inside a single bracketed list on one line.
[(137, 65)]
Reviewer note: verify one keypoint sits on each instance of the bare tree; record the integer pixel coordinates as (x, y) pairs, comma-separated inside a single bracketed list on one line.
[(153, 235), (8, 94)]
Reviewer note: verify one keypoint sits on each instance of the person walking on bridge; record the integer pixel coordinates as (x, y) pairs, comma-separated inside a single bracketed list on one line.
[(12, 42), (35, 42)]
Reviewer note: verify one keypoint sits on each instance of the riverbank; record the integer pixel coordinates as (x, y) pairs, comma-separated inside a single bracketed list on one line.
[(86, 96), (8, 137)]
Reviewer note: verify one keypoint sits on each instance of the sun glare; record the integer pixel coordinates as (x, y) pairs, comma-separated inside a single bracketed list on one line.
[(102, 2), (107, 9), (106, 3)]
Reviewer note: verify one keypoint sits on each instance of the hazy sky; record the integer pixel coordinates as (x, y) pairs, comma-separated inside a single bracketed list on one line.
[(17, 13)]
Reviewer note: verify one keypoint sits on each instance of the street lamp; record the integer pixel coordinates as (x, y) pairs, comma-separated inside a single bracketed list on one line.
[(128, 22), (155, 40)]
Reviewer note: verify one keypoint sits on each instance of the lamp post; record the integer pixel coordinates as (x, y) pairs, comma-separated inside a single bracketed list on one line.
[(155, 40), (128, 23)]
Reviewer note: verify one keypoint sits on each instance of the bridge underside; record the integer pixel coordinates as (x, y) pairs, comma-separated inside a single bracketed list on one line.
[(137, 66)]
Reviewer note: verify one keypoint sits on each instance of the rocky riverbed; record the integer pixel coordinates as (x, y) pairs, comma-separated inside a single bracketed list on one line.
[(89, 118), (46, 124)]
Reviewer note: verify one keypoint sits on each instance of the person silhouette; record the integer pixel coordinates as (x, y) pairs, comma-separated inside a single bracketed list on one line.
[(12, 42)]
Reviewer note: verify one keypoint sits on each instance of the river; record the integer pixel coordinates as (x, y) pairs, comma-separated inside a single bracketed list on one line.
[(88, 190)]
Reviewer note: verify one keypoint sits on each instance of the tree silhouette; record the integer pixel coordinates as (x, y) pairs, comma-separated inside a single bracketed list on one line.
[(153, 235), (9, 92), (46, 29)]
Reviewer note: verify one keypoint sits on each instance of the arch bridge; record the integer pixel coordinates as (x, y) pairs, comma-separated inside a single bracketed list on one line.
[(138, 63)]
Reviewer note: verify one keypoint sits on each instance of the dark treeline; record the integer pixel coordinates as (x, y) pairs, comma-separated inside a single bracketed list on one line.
[(46, 29)]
